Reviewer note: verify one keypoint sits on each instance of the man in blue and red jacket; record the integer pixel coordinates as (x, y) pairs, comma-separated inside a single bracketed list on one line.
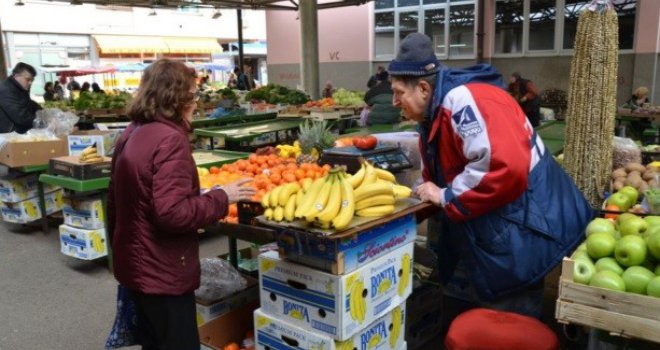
[(509, 212)]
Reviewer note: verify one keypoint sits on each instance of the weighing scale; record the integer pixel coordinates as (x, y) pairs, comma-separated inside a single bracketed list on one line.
[(390, 158)]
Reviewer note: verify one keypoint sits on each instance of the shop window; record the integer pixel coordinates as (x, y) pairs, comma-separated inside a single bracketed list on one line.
[(408, 22), (384, 40), (461, 30), (430, 2), (403, 3), (434, 27), (509, 18), (384, 4), (626, 10), (542, 16)]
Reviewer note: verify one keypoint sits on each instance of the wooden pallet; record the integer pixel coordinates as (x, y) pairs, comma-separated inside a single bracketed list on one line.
[(622, 314)]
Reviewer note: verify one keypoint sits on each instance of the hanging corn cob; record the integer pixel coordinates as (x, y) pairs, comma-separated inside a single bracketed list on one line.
[(592, 101)]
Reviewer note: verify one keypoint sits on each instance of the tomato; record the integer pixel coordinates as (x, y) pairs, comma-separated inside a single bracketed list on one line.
[(365, 142), (214, 170)]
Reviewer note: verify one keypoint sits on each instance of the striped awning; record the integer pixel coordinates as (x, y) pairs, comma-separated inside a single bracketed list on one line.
[(109, 44), (192, 45)]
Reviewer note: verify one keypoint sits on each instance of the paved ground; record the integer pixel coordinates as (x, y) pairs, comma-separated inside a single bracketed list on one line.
[(51, 301)]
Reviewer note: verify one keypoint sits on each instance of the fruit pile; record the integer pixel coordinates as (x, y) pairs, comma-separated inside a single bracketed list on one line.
[(345, 97), (625, 199), (324, 102), (636, 175), (90, 155), (621, 255), (333, 200)]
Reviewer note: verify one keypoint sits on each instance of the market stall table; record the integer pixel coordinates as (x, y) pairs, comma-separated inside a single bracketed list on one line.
[(379, 129), (250, 136), (232, 120)]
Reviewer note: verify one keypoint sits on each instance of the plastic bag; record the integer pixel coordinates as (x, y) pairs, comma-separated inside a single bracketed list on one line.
[(624, 151), (56, 121), (219, 279)]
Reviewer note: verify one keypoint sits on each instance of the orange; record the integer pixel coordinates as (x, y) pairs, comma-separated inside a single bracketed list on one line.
[(231, 346), (233, 210), (276, 178), (327, 167), (214, 170), (612, 207), (289, 177), (252, 157)]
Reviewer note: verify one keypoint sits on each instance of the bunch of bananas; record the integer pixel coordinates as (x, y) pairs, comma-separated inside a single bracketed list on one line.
[(289, 151), (90, 155), (282, 201), (376, 191)]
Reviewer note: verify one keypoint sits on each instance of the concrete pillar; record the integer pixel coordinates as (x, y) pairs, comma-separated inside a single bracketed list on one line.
[(3, 62), (309, 68), (239, 16)]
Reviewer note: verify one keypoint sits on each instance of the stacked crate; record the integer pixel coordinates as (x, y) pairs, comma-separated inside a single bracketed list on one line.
[(357, 303), (83, 233), (19, 201)]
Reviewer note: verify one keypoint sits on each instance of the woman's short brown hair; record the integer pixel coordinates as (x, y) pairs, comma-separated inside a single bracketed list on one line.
[(164, 90)]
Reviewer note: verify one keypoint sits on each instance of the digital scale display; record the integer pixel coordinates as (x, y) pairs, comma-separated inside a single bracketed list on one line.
[(385, 157)]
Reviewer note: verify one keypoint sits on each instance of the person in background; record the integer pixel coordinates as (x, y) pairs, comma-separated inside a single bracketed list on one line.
[(73, 85), (232, 82), (508, 212), (242, 82), (85, 87), (154, 211), (59, 90), (328, 90), (379, 100), (638, 99), (373, 80), (17, 110), (524, 91), (49, 91), (97, 89)]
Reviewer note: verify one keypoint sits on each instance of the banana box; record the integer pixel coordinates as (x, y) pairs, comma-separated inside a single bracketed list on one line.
[(84, 213), (29, 210), (345, 255), (386, 333), (83, 244), (335, 305), (104, 140), (18, 189)]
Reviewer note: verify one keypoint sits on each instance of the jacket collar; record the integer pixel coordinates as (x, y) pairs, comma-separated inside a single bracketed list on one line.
[(18, 86), (184, 127)]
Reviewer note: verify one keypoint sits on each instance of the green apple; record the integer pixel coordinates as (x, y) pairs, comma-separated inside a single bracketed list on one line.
[(623, 217), (633, 226), (653, 243), (653, 289), (653, 220), (581, 254), (631, 193), (600, 245), (620, 200), (637, 278), (583, 270), (610, 264), (630, 250), (600, 225), (608, 280), (657, 270), (582, 247)]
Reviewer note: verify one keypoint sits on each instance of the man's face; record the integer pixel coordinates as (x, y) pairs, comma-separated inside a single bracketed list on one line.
[(25, 79), (412, 99), (513, 80)]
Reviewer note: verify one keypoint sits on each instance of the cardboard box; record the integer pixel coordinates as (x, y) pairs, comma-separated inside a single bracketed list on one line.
[(86, 213), (16, 189), (29, 210), (19, 154), (83, 244), (386, 333), (71, 166), (230, 327), (336, 305), (104, 140), (207, 311), (342, 256)]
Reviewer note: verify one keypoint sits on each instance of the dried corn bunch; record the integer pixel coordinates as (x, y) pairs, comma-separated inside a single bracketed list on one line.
[(592, 103)]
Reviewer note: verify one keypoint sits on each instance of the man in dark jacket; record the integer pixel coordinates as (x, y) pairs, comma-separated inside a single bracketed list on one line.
[(17, 110), (524, 91), (379, 100)]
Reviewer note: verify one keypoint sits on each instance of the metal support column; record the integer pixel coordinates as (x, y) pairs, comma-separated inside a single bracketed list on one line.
[(3, 62), (239, 16), (309, 29), (480, 31)]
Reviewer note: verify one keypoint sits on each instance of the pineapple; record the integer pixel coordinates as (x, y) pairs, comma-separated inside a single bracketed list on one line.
[(314, 137)]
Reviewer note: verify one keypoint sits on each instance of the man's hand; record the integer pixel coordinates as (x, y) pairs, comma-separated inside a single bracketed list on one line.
[(237, 192), (429, 192)]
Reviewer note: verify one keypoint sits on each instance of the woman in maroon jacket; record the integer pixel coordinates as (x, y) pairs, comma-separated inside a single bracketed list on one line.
[(155, 208)]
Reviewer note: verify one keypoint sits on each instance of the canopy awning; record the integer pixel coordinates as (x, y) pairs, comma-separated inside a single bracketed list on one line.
[(192, 45), (131, 44)]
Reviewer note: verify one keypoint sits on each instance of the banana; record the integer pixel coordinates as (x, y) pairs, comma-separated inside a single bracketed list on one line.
[(347, 210), (278, 214), (307, 182), (382, 199), (377, 211), (372, 190), (401, 192), (274, 197), (396, 326), (290, 208), (357, 178), (405, 274), (299, 197), (310, 196), (333, 205), (265, 200), (370, 176), (268, 214), (287, 191), (92, 160), (385, 175), (88, 150), (320, 201)]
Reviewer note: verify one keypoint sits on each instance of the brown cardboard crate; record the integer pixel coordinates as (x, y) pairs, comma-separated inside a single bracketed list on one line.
[(624, 314), (19, 154), (71, 166), (230, 327), (207, 311)]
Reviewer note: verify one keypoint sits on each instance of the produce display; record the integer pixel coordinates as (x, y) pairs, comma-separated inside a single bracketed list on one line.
[(94, 101), (324, 102), (90, 155), (621, 254), (633, 180), (274, 94), (313, 138), (333, 200), (343, 97), (592, 103)]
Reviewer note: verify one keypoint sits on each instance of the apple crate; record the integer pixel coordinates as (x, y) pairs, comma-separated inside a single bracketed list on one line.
[(623, 314)]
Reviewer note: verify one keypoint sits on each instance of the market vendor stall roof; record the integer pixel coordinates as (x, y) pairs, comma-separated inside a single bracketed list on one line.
[(154, 44), (222, 4)]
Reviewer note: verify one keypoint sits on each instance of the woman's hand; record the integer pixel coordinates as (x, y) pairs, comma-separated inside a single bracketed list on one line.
[(429, 192), (237, 192)]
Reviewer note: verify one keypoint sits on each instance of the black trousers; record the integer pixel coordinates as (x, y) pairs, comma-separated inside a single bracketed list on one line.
[(166, 322)]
